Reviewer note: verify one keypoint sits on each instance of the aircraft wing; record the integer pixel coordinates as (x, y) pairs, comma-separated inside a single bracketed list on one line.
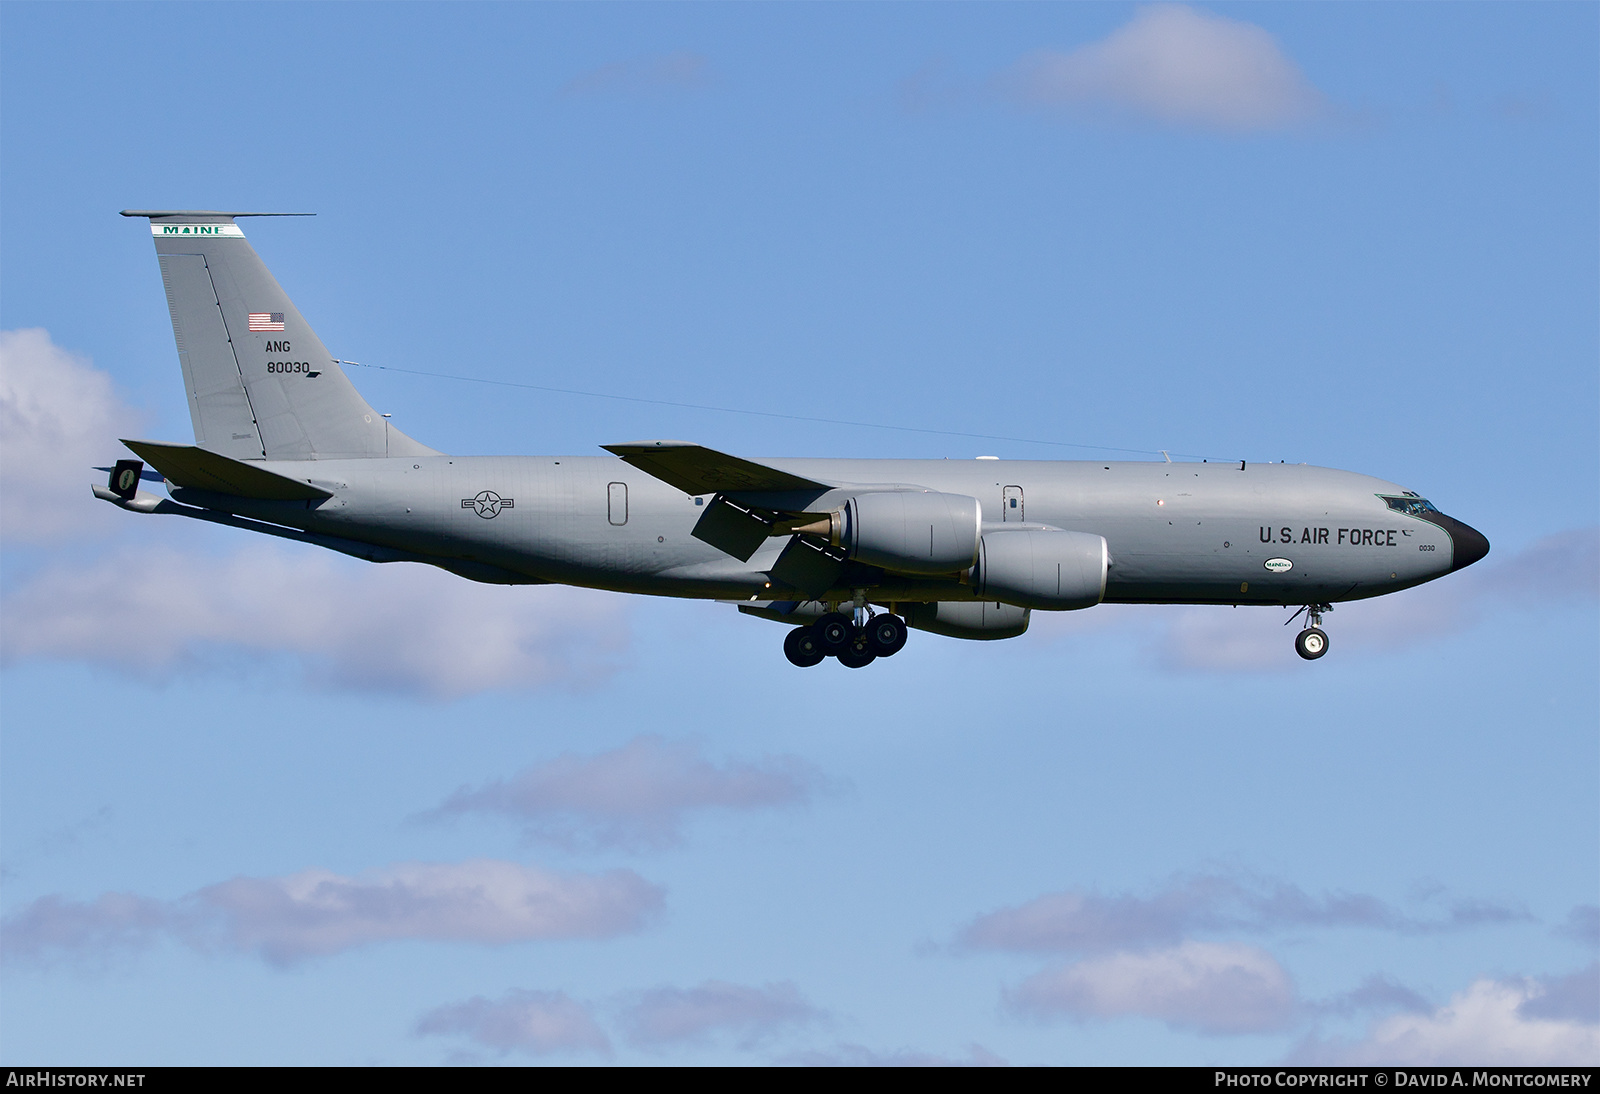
[(200, 469), (698, 470), (763, 493)]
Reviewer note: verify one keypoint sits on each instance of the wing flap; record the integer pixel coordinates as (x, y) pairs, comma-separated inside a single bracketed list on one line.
[(808, 564), (199, 469), (732, 528)]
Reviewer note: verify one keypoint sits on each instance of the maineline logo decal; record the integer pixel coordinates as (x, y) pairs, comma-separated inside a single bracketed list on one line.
[(231, 230)]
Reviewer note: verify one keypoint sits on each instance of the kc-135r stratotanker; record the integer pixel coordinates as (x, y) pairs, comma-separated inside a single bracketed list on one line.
[(853, 551)]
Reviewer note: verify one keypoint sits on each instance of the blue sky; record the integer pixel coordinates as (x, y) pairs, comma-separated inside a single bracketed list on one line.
[(258, 805)]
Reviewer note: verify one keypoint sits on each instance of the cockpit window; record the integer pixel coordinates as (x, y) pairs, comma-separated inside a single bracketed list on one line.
[(1412, 506)]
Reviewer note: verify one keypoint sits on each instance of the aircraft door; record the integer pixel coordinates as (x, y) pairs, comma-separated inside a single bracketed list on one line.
[(1011, 504), (617, 503)]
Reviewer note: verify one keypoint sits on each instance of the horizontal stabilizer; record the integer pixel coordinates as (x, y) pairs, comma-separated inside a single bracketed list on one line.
[(196, 468), (369, 552), (201, 214), (147, 476), (698, 470)]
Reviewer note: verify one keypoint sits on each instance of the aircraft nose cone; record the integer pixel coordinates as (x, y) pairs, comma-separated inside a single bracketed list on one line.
[(1467, 544)]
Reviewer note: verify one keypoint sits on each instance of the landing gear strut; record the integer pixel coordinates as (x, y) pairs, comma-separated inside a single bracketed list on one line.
[(856, 643), (1312, 642)]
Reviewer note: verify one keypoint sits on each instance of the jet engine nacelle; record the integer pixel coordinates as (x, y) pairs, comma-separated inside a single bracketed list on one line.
[(1050, 569), (972, 619), (913, 531)]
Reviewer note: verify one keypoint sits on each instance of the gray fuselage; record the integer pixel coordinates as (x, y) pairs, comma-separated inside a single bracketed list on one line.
[(1177, 532)]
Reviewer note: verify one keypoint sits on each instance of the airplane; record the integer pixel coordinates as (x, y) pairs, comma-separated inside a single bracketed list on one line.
[(849, 552)]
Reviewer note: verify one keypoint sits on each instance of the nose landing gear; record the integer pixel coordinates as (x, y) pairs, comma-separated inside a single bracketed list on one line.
[(855, 644), (1312, 642)]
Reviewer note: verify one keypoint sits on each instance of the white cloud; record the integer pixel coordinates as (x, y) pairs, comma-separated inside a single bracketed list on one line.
[(1560, 569), (316, 912), (1210, 987), (1079, 921), (1488, 1024), (1142, 961), (635, 796), (1090, 922), (1176, 65), (1255, 639), (90, 931), (59, 419), (1575, 996), (1556, 571), (396, 627), (667, 1015), (1582, 925), (681, 71), (153, 609), (487, 901), (848, 1055), (537, 1022), (1375, 993)]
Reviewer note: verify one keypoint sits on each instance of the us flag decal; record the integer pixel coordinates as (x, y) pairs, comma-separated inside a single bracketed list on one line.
[(266, 320)]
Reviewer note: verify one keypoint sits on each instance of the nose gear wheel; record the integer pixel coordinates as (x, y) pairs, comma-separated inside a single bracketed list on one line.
[(1312, 642)]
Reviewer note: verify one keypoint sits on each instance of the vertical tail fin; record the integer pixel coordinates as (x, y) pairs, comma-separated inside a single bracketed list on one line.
[(260, 383)]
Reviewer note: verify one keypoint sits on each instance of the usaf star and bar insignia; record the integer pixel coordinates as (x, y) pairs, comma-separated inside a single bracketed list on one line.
[(488, 504)]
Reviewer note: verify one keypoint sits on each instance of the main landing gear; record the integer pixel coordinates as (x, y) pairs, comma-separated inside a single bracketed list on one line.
[(1312, 642), (855, 642)]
